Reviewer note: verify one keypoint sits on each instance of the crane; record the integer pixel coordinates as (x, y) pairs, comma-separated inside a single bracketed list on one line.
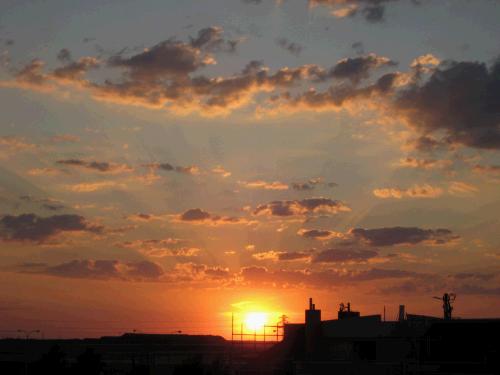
[(448, 299)]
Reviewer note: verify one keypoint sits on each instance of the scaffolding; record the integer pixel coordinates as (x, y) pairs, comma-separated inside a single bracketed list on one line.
[(268, 334)]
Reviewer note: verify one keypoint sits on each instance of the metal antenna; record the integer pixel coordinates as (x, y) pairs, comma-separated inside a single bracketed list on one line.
[(448, 299)]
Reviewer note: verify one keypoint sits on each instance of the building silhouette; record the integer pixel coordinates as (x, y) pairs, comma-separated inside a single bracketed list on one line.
[(351, 343)]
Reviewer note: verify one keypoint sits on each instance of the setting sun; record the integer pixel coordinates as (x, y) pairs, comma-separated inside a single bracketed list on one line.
[(255, 320)]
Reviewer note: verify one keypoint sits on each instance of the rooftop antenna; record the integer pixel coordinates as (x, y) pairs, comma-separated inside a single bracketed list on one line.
[(448, 299)]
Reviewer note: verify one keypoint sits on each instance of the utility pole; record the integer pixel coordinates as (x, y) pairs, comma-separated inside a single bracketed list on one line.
[(27, 335)]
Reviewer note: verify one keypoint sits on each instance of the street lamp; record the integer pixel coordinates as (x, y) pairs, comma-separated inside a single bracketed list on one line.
[(28, 333)]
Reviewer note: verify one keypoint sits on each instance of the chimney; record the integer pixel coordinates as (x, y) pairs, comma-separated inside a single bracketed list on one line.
[(312, 328), (402, 314)]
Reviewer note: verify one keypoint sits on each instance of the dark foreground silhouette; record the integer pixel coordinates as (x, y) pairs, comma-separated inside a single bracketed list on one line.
[(350, 344)]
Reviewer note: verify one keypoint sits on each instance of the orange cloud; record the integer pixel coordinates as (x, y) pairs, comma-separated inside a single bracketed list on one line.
[(417, 191)]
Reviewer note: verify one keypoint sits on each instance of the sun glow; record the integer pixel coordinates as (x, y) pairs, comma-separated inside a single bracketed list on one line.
[(255, 321)]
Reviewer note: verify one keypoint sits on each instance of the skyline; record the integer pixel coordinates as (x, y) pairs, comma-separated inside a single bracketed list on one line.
[(163, 165)]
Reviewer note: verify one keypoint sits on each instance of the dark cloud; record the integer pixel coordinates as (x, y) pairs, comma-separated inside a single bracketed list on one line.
[(101, 269), (167, 167), (460, 99), (311, 184), (210, 39), (167, 75), (335, 97), (344, 255), (295, 255), (425, 143), (318, 234), (301, 207), (195, 214), (302, 186), (75, 71), (356, 69), (167, 59), (32, 74), (30, 227), (64, 55), (292, 47), (404, 236), (99, 166), (372, 10), (358, 48), (45, 203), (374, 13), (198, 216)]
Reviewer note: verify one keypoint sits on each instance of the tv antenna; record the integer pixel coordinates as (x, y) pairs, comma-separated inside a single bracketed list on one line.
[(448, 299)]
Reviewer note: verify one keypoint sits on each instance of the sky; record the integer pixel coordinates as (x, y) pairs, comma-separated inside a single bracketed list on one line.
[(165, 164)]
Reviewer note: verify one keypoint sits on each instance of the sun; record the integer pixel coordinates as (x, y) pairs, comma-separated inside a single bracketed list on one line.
[(255, 321)]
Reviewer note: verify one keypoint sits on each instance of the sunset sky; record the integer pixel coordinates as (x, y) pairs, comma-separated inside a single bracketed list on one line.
[(164, 163)]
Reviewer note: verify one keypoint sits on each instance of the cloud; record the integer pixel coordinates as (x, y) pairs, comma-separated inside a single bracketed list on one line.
[(199, 216), (45, 203), (167, 59), (210, 39), (96, 166), (318, 234), (311, 184), (417, 191), (64, 55), (294, 255), (144, 217), (167, 167), (344, 256), (302, 186), (292, 47), (338, 97), (322, 279), (446, 103), (403, 236), (301, 207), (63, 138), (16, 143), (356, 69), (189, 272), (89, 187), (425, 143), (373, 11), (260, 184), (267, 255), (410, 162), (75, 71), (459, 99), (168, 247), (486, 169), (168, 76), (34, 228), (460, 188), (221, 171), (44, 172), (101, 269)]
